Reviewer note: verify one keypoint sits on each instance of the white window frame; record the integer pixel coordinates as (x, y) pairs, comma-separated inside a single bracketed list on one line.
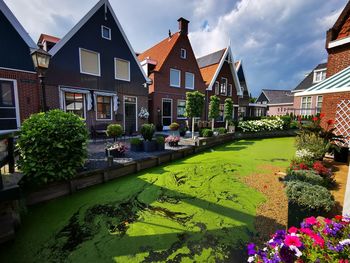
[(223, 112), (229, 90), (226, 82), (171, 114), (99, 62), (183, 51), (111, 97), (321, 71), (318, 109), (18, 118), (137, 110), (77, 92), (217, 88), (306, 111), (187, 74), (171, 85), (115, 69), (110, 32), (180, 118)]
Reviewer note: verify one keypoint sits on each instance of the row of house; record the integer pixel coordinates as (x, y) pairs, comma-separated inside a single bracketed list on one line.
[(95, 73)]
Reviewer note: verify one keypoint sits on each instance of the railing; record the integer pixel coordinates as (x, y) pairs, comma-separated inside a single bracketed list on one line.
[(7, 155)]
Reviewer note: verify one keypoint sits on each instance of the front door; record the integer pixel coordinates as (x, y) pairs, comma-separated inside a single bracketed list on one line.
[(130, 114), (167, 105), (9, 119)]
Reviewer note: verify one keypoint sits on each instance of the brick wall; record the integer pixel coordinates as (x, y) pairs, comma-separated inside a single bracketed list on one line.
[(279, 110), (330, 102), (338, 59), (28, 91)]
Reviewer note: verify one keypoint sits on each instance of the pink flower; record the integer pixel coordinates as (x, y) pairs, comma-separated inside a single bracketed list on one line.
[(318, 240), (292, 241), (293, 230), (306, 231), (311, 220), (327, 221)]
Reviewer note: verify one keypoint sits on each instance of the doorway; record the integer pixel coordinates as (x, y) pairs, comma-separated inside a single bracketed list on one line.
[(130, 115), (167, 106)]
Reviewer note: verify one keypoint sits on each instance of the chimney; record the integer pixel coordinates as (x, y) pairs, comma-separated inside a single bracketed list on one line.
[(183, 25)]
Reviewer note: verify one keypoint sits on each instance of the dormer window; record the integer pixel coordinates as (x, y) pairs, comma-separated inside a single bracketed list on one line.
[(106, 32), (319, 75), (183, 53)]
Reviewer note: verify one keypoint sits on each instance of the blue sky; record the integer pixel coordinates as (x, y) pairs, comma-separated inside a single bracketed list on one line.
[(279, 41)]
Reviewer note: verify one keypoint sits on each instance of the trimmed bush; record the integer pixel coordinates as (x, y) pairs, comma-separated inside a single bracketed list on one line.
[(52, 146), (221, 130), (269, 124), (160, 139), (135, 141), (286, 122), (147, 131), (308, 176), (114, 131), (312, 197), (206, 133)]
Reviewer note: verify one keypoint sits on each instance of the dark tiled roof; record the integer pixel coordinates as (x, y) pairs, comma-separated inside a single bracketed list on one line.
[(210, 59), (278, 96), (307, 82)]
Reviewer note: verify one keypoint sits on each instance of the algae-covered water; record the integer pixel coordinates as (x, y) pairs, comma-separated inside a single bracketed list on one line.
[(196, 209)]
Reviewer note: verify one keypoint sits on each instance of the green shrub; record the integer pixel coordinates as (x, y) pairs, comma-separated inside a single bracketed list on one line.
[(206, 133), (114, 131), (52, 146), (308, 176), (294, 125), (312, 197), (286, 121), (160, 139), (147, 131), (135, 141), (174, 126), (221, 130)]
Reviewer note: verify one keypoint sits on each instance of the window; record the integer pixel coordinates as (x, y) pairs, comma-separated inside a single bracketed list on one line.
[(217, 88), (306, 105), (319, 75), (106, 32), (229, 91), (103, 107), (189, 80), (89, 62), (122, 69), (181, 109), (9, 119), (223, 87), (183, 53), (319, 104), (75, 103), (175, 77), (221, 113)]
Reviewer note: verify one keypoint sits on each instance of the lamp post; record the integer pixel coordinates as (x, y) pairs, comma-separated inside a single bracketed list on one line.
[(41, 60)]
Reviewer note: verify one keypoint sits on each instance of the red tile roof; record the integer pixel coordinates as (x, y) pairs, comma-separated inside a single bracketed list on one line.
[(160, 51)]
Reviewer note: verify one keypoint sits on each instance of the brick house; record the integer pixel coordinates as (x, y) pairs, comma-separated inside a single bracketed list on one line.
[(335, 90), (94, 72), (173, 69), (19, 87), (220, 76), (278, 102)]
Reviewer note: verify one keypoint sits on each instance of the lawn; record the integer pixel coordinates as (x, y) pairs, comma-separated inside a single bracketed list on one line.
[(195, 209)]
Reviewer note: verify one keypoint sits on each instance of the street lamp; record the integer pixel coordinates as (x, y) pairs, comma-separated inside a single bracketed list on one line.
[(41, 60)]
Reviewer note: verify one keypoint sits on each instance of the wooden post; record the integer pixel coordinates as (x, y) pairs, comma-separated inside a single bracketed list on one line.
[(212, 124), (11, 154), (192, 127)]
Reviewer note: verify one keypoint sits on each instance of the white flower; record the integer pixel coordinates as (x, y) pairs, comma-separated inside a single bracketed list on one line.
[(344, 242), (296, 250), (143, 113), (251, 259)]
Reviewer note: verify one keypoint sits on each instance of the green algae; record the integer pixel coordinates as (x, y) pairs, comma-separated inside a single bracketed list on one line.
[(196, 209)]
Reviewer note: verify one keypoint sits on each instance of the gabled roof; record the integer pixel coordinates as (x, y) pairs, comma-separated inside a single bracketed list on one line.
[(278, 96), (338, 34), (17, 25), (160, 51), (212, 64), (339, 82), (84, 20), (241, 74), (307, 82)]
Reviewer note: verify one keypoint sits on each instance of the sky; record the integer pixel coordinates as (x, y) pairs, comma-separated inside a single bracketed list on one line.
[(279, 41)]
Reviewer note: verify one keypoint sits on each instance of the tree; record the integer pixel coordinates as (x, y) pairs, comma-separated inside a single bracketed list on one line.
[(194, 106), (228, 110), (214, 109)]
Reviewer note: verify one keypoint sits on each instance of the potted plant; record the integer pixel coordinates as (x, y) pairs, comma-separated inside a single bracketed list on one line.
[(174, 126), (136, 144), (172, 141), (182, 131), (147, 131), (341, 154), (231, 127), (116, 149), (160, 143), (114, 131)]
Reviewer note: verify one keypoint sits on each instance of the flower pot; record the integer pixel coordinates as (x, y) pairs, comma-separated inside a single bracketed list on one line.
[(231, 129), (115, 153), (149, 146), (136, 147), (342, 155), (173, 144), (160, 146)]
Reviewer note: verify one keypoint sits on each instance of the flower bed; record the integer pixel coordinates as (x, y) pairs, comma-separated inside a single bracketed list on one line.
[(317, 240), (261, 125)]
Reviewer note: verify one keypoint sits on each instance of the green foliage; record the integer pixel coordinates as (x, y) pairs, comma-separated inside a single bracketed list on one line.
[(214, 105), (308, 176), (313, 143), (114, 130), (135, 141), (174, 126), (294, 125), (286, 122), (228, 109), (52, 146), (206, 133), (313, 197), (160, 139), (221, 130), (147, 131), (194, 104)]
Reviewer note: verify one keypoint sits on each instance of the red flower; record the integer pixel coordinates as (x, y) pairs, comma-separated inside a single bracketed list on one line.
[(315, 119), (322, 115), (293, 229), (330, 122), (292, 241), (338, 217), (311, 220)]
